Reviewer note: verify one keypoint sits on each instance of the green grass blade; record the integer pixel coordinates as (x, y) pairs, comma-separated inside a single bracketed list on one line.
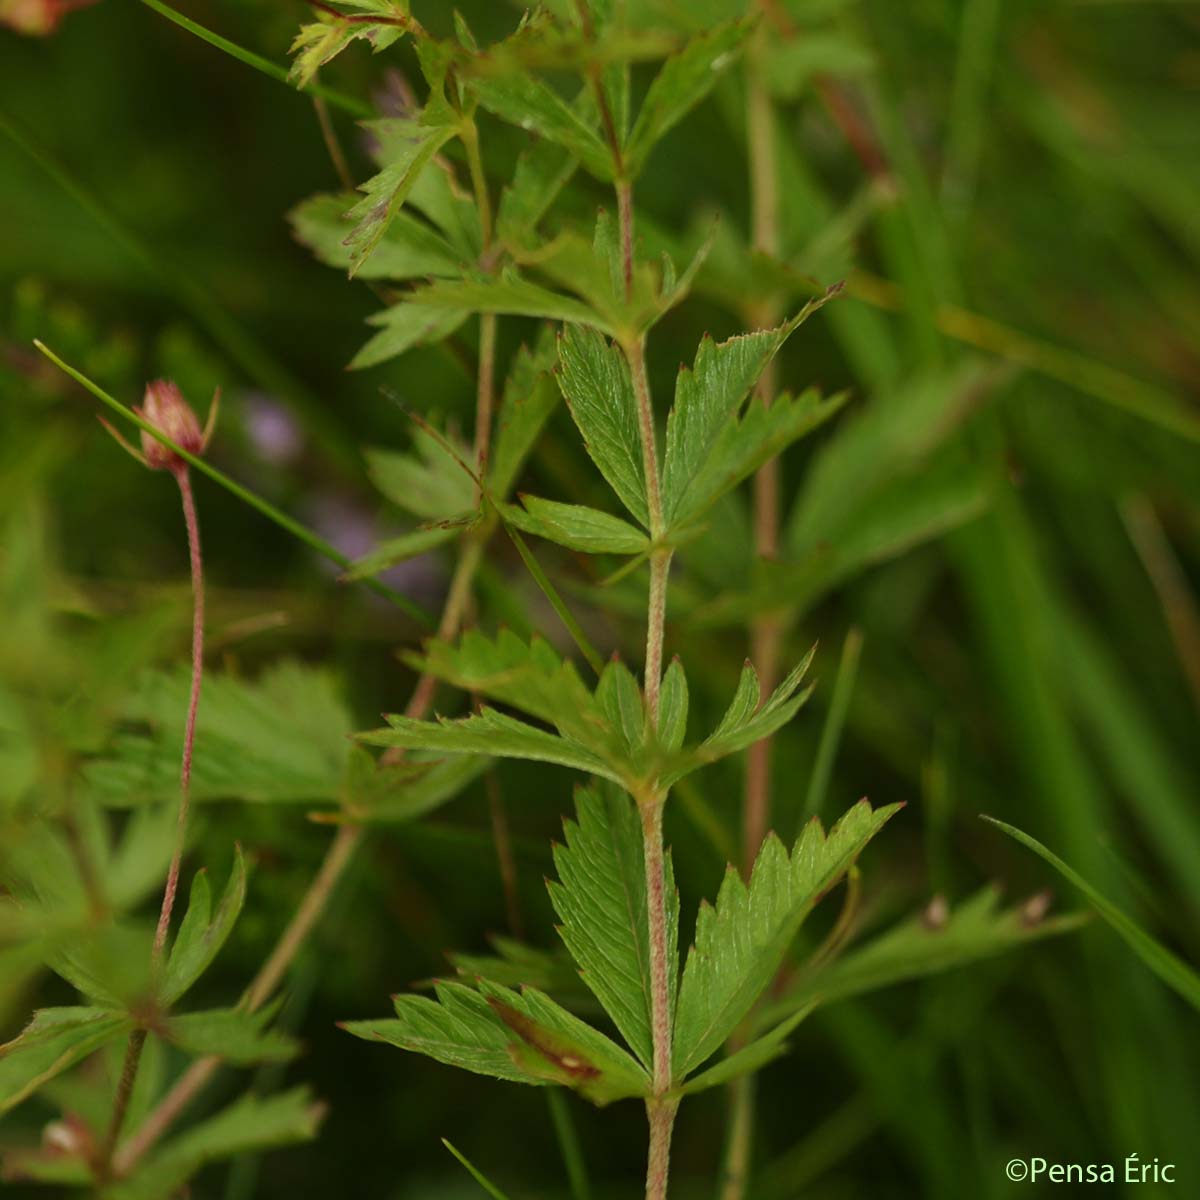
[(1171, 969), (481, 1179), (835, 721), (568, 1143)]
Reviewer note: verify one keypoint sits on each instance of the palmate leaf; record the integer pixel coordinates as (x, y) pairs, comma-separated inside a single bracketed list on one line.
[(600, 898), (522, 1037), (280, 738), (53, 1041), (202, 932), (508, 293), (430, 482), (708, 396), (682, 82), (250, 1124), (598, 389), (742, 940), (978, 928)]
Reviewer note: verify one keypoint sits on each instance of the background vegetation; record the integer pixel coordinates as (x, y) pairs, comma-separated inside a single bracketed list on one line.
[(1007, 513)]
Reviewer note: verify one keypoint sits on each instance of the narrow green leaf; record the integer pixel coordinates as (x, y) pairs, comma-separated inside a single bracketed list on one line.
[(683, 81), (1169, 967), (673, 707), (403, 326), (53, 1041), (400, 549), (508, 294), (530, 396), (577, 527), (202, 933), (411, 142), (742, 940), (752, 1057), (600, 898), (476, 1174), (232, 1034), (596, 384), (523, 100), (410, 249), (426, 791), (978, 928)]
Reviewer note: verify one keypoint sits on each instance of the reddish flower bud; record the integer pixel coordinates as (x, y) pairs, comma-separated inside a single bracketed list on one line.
[(166, 409), (38, 18)]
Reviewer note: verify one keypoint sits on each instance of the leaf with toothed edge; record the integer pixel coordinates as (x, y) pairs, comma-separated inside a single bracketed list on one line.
[(742, 939), (577, 527), (600, 898)]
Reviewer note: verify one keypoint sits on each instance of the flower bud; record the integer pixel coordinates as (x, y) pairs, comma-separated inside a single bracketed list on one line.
[(166, 409), (37, 18)]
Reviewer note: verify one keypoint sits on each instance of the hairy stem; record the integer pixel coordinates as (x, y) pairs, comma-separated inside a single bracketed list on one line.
[(189, 733), (661, 1114), (137, 1039), (766, 632)]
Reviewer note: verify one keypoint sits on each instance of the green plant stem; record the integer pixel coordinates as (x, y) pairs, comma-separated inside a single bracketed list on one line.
[(348, 104), (735, 1171), (835, 721), (568, 1142), (268, 510), (129, 1069)]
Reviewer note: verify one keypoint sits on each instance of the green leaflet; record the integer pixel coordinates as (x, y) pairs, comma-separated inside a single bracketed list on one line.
[(596, 384), (527, 102), (400, 549), (913, 949), (492, 733), (682, 82), (231, 1033), (202, 932), (749, 1058), (509, 294), (530, 396), (411, 143), (742, 939), (55, 1040), (249, 1124), (600, 898), (577, 527), (1169, 967), (420, 787), (523, 1037), (542, 171), (403, 326), (430, 483), (320, 41), (410, 249), (706, 446)]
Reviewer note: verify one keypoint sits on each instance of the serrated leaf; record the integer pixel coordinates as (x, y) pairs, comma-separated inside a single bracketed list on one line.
[(410, 249), (673, 707), (508, 294), (742, 940), (232, 1034), (600, 898), (598, 389), (429, 483), (682, 82), (1168, 966), (542, 171), (708, 397), (403, 326), (202, 932), (523, 100), (619, 698), (492, 733), (412, 143), (276, 739), (978, 928), (516, 965), (556, 1045), (319, 42), (53, 1041), (250, 1124), (431, 788), (577, 527)]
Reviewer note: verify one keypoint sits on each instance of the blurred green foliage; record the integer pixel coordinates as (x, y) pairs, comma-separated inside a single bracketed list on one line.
[(1007, 510)]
